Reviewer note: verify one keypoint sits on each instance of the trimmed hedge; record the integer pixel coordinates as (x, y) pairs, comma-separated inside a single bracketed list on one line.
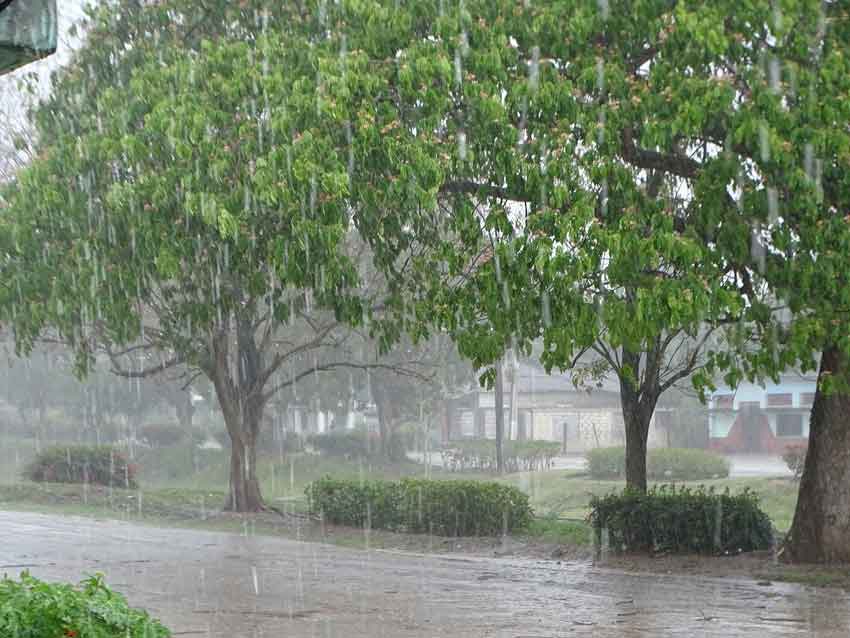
[(30, 608), (682, 464), (98, 465), (446, 508), (357, 444), (682, 520), (353, 443), (480, 454)]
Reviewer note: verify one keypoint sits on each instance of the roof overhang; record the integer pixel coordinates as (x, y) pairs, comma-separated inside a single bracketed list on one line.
[(28, 32)]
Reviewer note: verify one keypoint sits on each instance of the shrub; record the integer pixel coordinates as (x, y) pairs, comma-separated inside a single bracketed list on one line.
[(682, 520), (661, 464), (30, 608), (452, 508), (480, 454), (100, 465), (606, 463), (162, 434), (795, 458), (348, 443)]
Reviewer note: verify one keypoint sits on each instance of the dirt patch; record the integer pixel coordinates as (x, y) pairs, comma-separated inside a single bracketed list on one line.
[(763, 567)]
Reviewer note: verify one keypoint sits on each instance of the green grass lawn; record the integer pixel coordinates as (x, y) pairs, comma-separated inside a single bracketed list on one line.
[(202, 475), (567, 494)]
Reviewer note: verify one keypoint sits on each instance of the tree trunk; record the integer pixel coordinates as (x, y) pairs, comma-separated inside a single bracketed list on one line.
[(385, 418), (242, 405), (500, 418), (513, 428), (244, 495), (638, 403), (185, 410), (637, 433), (820, 532)]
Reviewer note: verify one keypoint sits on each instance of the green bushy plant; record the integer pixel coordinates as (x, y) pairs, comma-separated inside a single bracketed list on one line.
[(99, 465), (606, 462), (348, 443), (453, 508), (162, 434), (30, 608), (682, 464), (682, 520)]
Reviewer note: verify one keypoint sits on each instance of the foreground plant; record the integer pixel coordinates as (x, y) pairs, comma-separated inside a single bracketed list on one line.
[(31, 608)]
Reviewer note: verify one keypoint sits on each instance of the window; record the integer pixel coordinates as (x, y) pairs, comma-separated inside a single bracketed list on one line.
[(807, 398), (779, 400), (723, 401), (789, 425)]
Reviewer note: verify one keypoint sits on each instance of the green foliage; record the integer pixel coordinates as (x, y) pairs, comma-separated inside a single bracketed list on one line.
[(682, 520), (162, 434), (681, 464), (795, 458), (30, 608), (480, 455), (99, 465), (453, 508)]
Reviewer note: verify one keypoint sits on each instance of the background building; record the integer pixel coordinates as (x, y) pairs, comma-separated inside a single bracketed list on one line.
[(761, 420)]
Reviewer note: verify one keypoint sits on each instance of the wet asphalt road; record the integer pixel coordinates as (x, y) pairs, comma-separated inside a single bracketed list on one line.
[(217, 585)]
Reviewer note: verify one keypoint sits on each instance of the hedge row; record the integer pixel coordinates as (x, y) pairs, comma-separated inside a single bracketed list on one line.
[(682, 520), (356, 444), (661, 464), (480, 454), (98, 465), (446, 508)]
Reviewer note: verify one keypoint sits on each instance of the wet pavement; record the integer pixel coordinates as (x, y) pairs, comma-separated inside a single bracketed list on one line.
[(218, 585)]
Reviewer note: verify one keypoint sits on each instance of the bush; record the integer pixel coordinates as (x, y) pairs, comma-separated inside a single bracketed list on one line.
[(682, 520), (30, 608), (661, 464), (347, 443), (795, 459), (162, 434), (99, 465), (451, 508), (480, 454)]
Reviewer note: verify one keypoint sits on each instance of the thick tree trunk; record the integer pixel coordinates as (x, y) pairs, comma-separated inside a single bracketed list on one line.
[(242, 405), (500, 417), (244, 494), (820, 532), (637, 433), (638, 403)]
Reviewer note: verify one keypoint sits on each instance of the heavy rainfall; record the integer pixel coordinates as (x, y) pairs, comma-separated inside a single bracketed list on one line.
[(418, 318)]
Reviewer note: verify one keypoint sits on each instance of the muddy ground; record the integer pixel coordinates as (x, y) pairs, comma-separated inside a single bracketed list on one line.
[(224, 585)]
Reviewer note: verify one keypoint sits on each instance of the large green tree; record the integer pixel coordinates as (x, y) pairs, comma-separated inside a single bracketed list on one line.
[(664, 167), (187, 207), (494, 140)]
